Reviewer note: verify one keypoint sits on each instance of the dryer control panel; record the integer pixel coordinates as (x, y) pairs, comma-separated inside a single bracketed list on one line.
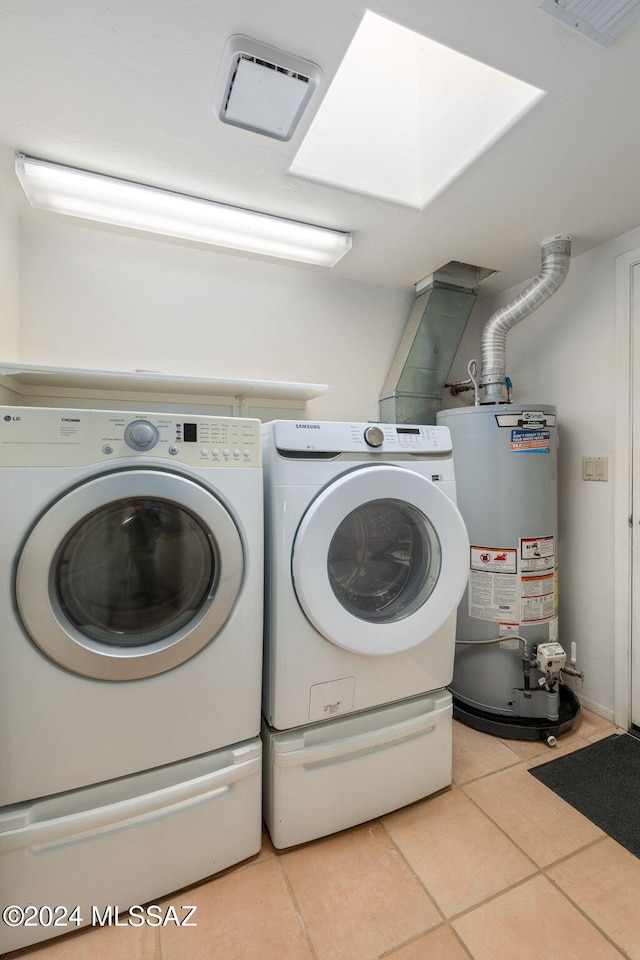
[(50, 436), (314, 436)]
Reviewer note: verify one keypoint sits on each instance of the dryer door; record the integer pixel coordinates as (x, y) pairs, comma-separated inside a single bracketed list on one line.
[(380, 560), (129, 574)]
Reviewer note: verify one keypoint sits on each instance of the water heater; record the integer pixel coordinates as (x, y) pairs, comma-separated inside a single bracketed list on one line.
[(508, 656)]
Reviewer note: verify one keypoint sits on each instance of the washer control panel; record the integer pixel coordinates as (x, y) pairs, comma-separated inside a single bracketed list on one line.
[(311, 437), (48, 436)]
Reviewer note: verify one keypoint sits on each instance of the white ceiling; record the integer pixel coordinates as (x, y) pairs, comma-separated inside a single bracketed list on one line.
[(126, 87)]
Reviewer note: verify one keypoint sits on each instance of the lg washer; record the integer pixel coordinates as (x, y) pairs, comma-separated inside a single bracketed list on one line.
[(131, 591)]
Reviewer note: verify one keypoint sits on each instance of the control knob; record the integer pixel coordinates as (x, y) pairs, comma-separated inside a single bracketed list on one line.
[(141, 435), (374, 436)]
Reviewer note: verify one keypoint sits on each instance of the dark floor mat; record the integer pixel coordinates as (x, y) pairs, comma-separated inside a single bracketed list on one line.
[(602, 781)]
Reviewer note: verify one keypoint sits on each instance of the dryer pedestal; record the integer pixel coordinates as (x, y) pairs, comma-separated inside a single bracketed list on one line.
[(326, 777)]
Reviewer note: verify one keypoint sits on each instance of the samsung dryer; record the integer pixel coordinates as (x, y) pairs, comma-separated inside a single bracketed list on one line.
[(366, 562)]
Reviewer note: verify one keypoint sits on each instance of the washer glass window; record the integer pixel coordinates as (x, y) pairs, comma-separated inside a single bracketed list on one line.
[(135, 571), (384, 560)]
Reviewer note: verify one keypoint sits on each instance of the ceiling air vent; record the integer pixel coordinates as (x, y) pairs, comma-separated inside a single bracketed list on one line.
[(264, 89), (598, 20)]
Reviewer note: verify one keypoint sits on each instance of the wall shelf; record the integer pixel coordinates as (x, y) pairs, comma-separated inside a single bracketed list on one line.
[(34, 380)]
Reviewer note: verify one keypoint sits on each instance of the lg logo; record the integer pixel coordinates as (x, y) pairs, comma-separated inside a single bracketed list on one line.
[(8, 419)]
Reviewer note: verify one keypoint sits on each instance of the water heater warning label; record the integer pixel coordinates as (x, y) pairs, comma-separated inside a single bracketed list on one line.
[(514, 586), (530, 441), (537, 553), (494, 592), (492, 560), (538, 598), (494, 596)]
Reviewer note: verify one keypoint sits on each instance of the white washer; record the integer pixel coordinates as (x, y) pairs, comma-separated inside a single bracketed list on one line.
[(367, 559), (131, 590)]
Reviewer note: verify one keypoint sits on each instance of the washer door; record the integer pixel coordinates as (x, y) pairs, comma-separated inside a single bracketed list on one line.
[(129, 574), (380, 560)]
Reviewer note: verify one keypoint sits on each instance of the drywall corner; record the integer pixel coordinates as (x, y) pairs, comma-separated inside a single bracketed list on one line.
[(9, 281)]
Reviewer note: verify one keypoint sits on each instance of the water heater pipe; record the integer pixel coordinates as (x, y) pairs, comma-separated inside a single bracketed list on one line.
[(556, 254)]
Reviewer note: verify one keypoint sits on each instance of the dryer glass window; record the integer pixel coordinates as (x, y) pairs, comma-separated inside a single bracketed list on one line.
[(135, 571), (384, 560)]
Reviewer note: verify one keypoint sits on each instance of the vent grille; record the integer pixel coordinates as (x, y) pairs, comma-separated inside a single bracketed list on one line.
[(598, 20), (263, 89), (261, 63), (274, 66)]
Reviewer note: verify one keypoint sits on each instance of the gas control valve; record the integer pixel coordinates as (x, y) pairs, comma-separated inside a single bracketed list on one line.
[(550, 659)]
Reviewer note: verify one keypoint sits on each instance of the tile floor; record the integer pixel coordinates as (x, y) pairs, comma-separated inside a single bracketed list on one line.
[(495, 868)]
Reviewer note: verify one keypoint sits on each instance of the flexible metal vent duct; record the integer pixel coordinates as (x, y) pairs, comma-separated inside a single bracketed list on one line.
[(556, 254), (413, 389)]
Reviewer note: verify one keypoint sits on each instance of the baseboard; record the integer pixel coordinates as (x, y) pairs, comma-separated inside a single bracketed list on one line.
[(588, 704)]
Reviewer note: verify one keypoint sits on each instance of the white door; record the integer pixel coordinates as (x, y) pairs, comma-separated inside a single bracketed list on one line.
[(380, 560), (635, 590), (129, 574)]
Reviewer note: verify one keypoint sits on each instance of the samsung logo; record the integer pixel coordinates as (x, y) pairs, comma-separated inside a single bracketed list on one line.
[(70, 419), (307, 426)]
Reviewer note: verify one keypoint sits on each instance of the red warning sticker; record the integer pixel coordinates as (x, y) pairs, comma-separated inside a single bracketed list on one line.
[(494, 560)]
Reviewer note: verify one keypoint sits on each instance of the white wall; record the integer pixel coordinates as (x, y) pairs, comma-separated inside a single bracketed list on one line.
[(564, 354), (9, 315), (100, 300), (96, 299)]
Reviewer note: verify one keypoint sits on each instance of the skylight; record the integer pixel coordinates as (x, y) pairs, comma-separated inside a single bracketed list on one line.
[(405, 116)]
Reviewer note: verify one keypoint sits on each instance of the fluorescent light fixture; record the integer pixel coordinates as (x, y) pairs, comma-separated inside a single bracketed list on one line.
[(598, 20), (404, 115), (91, 196)]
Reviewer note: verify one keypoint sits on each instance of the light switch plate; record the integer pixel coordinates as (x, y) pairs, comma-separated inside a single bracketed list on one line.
[(595, 468)]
